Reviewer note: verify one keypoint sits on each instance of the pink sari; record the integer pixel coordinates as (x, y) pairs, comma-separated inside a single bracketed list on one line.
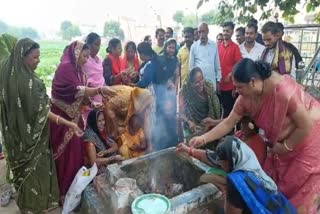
[(93, 70), (296, 173), (66, 102)]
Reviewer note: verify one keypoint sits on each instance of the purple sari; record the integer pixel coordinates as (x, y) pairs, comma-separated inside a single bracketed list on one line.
[(66, 101)]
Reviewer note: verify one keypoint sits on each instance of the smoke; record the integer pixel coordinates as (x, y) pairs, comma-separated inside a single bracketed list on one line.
[(164, 126)]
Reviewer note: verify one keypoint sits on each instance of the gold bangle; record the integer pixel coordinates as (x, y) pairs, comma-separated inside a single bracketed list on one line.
[(57, 120), (287, 147)]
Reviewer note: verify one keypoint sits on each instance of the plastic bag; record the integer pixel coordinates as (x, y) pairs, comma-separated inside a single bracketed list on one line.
[(82, 179)]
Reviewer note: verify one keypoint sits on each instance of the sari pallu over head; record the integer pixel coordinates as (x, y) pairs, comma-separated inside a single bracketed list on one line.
[(68, 90), (194, 104), (136, 62), (24, 108), (256, 188), (92, 133), (69, 76)]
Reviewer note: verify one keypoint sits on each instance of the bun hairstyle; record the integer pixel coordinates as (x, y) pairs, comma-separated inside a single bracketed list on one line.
[(247, 69), (113, 43)]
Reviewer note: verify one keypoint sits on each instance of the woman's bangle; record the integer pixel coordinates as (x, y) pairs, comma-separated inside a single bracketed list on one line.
[(58, 120), (287, 147), (190, 152)]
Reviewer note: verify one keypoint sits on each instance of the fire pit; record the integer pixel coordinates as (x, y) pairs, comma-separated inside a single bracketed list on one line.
[(174, 175)]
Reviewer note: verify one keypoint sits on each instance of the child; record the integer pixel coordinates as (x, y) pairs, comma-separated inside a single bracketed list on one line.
[(249, 134), (133, 141), (247, 188)]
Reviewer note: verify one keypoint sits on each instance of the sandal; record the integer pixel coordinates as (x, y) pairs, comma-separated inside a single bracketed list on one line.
[(5, 198)]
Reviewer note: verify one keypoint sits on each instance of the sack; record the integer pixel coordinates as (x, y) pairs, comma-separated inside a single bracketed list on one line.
[(79, 183)]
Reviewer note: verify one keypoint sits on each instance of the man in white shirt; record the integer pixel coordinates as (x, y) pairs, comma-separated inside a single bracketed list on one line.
[(250, 48), (204, 54)]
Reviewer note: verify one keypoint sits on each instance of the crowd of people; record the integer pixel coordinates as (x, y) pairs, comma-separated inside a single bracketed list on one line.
[(151, 98)]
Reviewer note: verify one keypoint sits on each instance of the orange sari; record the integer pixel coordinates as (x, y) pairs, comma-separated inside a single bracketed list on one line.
[(296, 173), (128, 141)]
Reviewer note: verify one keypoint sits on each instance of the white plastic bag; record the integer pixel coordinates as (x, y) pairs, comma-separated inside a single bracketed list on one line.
[(83, 177)]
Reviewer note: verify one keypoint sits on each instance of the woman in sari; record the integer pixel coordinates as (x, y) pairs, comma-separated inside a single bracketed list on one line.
[(113, 66), (131, 63), (69, 94), (100, 148), (24, 114), (119, 110), (248, 188), (94, 71), (198, 104), (133, 143), (291, 120), (93, 68)]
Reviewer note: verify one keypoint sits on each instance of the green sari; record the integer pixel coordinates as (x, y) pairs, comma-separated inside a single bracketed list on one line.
[(197, 108), (24, 109)]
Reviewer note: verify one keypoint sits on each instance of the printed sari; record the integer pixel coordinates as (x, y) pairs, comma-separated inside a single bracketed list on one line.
[(24, 109), (66, 100), (296, 173), (197, 108)]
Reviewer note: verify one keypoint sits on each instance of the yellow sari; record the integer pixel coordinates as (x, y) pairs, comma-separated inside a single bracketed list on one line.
[(129, 141), (120, 108)]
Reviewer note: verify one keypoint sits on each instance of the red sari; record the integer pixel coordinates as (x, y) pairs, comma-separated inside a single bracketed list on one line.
[(296, 173), (66, 102), (117, 65)]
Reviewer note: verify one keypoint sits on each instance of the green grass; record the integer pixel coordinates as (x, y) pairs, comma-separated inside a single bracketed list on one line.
[(51, 52)]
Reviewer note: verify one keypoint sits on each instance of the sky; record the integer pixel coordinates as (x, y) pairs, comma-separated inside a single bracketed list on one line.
[(47, 15)]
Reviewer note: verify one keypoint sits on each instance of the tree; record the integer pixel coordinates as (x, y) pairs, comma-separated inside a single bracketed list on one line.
[(215, 17), (112, 29), (30, 33), (69, 30), (178, 16), (246, 8), (3, 27), (190, 20)]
